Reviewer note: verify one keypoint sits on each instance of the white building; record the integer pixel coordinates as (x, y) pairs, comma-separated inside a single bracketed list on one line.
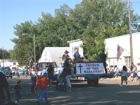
[(54, 54), (8, 63), (124, 42), (75, 44)]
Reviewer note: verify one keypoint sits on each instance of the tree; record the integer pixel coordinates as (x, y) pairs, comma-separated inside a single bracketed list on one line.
[(92, 20), (4, 54), (100, 19)]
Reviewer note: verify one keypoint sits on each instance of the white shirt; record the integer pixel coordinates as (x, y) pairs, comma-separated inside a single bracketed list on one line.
[(124, 73), (138, 73)]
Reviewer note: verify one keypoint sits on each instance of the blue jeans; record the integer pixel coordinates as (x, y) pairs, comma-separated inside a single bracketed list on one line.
[(33, 79), (1, 102), (18, 96), (43, 94)]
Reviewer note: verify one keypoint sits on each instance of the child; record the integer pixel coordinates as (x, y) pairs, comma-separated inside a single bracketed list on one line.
[(123, 75), (42, 85), (17, 89)]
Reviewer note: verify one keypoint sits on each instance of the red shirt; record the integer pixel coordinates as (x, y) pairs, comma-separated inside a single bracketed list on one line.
[(17, 88), (43, 82)]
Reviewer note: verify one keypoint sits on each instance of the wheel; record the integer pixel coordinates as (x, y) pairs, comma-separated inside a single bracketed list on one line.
[(7, 73), (92, 82), (95, 82), (89, 82)]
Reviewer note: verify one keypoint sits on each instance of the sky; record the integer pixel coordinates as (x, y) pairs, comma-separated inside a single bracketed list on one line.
[(14, 12)]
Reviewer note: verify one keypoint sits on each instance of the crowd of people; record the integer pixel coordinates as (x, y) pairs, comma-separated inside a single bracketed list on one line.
[(41, 82), (131, 73)]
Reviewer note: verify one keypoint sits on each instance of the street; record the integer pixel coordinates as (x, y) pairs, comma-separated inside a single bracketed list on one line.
[(108, 92)]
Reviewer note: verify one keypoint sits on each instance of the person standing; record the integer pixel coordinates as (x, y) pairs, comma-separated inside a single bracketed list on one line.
[(44, 71), (123, 75), (33, 77), (133, 72), (4, 85), (42, 85), (103, 59), (67, 72), (50, 73), (33, 80), (26, 72), (138, 72), (17, 89), (139, 76)]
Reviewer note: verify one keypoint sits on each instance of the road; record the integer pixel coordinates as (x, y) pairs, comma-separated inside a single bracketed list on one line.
[(108, 92)]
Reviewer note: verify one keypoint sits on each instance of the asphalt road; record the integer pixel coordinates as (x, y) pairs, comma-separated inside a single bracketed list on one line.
[(108, 92)]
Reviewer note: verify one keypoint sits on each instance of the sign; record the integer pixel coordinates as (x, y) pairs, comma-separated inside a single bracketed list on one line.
[(89, 68)]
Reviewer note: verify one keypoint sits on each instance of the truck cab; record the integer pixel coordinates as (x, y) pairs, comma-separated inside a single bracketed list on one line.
[(7, 71)]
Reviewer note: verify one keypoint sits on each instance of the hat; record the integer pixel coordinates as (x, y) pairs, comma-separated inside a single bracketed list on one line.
[(66, 51)]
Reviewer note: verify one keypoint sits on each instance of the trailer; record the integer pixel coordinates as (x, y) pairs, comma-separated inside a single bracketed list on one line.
[(92, 72)]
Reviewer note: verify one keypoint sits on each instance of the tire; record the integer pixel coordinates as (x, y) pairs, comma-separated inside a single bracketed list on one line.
[(92, 82), (7, 73), (89, 82), (95, 82)]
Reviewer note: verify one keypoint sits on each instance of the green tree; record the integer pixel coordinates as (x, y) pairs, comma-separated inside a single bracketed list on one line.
[(100, 19), (4, 54), (92, 20)]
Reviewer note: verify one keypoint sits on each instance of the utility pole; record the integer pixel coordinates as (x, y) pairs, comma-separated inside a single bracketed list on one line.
[(130, 32), (34, 48), (34, 52)]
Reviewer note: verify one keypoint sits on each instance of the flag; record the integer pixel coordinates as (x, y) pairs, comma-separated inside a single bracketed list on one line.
[(119, 51)]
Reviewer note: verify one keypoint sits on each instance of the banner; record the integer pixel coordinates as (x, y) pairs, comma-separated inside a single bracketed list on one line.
[(90, 68)]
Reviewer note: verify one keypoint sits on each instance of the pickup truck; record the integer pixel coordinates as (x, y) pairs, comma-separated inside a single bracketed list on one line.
[(7, 71), (41, 65)]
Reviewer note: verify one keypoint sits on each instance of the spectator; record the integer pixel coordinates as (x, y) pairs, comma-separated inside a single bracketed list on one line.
[(4, 85), (26, 72), (138, 72), (133, 72), (33, 77), (44, 71), (50, 73)]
